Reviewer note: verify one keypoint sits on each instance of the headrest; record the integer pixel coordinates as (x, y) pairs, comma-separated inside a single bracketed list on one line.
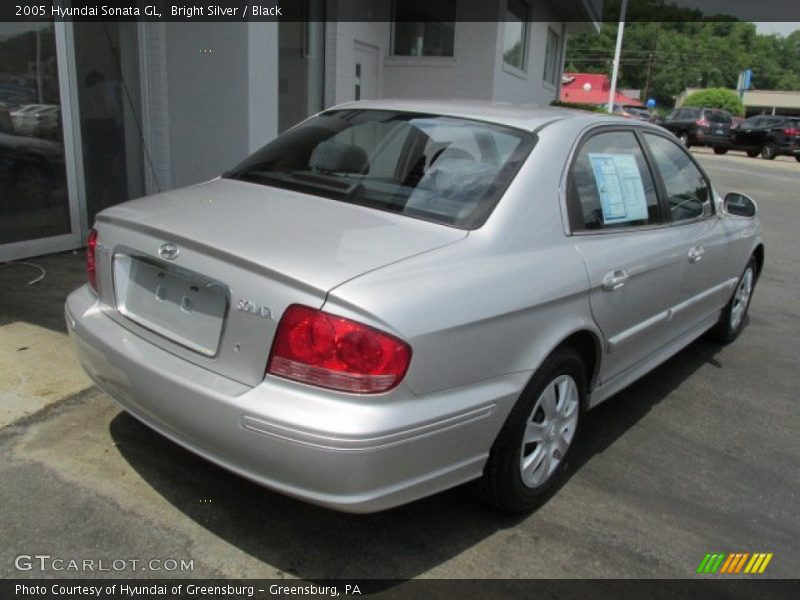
[(337, 157)]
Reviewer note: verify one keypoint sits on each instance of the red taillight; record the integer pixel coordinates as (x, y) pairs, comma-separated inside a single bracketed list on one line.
[(701, 123), (791, 131), (321, 349), (91, 264)]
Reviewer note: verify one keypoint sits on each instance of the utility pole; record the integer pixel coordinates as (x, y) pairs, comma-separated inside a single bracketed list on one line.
[(650, 57), (647, 78), (615, 71)]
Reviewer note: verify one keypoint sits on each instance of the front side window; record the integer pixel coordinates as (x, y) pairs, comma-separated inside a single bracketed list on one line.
[(610, 184), (688, 193), (423, 28), (516, 33), (551, 56), (447, 170)]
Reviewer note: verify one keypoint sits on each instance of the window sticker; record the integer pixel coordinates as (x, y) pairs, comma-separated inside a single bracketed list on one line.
[(619, 182)]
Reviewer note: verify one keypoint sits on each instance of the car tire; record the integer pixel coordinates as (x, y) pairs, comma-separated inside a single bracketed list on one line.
[(753, 153), (769, 151), (684, 139), (520, 475), (734, 315), (797, 157), (718, 150)]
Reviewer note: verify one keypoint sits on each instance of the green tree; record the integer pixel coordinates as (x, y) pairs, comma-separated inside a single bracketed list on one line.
[(664, 58), (716, 98)]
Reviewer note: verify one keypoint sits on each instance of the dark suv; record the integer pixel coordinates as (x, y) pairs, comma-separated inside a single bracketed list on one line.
[(700, 126), (768, 135)]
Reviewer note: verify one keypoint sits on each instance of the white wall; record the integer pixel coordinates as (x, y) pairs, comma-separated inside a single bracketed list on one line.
[(468, 74), (476, 71), (210, 96), (262, 84)]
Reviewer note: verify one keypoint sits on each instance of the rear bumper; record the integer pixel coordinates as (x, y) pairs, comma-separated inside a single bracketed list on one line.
[(708, 138), (351, 453)]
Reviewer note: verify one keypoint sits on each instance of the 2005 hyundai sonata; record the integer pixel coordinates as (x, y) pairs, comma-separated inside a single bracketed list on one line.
[(394, 298)]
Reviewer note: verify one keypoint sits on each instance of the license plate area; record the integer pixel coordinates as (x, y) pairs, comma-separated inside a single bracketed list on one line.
[(175, 303)]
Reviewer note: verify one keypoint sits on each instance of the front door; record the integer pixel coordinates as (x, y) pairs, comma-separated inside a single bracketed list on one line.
[(707, 278), (365, 71)]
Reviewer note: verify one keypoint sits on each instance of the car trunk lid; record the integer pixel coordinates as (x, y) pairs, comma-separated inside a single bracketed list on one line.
[(206, 271)]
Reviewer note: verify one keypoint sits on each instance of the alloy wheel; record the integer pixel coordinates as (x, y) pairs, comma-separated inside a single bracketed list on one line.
[(741, 298), (549, 430)]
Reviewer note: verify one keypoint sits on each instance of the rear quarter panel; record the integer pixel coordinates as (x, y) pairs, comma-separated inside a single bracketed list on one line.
[(499, 301)]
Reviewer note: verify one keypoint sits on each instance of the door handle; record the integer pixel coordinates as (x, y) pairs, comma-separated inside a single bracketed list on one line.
[(696, 254), (613, 280)]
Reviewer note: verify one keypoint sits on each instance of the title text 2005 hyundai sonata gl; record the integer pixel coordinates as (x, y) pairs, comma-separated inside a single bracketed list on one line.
[(393, 298)]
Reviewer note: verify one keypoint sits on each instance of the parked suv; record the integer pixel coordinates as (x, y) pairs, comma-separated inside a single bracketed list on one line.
[(768, 135), (700, 126)]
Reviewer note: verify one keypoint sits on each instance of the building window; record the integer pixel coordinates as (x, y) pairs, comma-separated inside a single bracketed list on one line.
[(551, 56), (516, 34), (424, 28)]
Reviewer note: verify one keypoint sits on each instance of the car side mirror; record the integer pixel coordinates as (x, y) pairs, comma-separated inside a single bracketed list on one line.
[(739, 205)]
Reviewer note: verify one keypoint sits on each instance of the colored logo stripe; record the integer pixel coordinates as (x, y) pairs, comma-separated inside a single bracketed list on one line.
[(758, 563), (724, 563)]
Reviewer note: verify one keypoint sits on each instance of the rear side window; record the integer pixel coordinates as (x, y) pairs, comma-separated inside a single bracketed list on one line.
[(610, 184), (688, 193)]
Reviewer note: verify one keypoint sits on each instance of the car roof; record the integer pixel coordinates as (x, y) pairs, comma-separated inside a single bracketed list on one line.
[(529, 117)]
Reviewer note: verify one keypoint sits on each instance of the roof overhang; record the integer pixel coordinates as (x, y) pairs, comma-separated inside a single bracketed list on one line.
[(581, 15)]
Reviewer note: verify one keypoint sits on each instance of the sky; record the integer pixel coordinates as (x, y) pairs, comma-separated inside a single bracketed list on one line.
[(781, 28)]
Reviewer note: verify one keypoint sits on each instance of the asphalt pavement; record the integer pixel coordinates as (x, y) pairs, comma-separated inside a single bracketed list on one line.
[(702, 455)]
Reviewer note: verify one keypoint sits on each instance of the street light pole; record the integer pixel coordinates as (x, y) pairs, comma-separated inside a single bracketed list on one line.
[(613, 91)]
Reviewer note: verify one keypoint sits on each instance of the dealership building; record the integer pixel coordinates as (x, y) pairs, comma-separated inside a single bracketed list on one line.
[(93, 114)]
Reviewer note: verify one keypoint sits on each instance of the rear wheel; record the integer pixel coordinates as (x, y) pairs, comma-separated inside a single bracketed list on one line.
[(533, 447), (769, 151), (684, 138), (720, 150), (797, 157), (752, 153), (732, 320)]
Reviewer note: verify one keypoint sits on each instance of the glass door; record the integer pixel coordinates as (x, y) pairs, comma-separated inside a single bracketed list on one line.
[(70, 131), (38, 208)]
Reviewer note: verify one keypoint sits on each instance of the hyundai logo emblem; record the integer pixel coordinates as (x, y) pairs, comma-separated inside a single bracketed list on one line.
[(169, 251)]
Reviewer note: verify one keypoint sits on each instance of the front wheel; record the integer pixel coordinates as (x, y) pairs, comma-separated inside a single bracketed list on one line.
[(732, 320), (533, 447), (769, 151), (797, 157)]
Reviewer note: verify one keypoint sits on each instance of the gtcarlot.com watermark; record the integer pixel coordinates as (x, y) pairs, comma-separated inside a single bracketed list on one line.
[(45, 563)]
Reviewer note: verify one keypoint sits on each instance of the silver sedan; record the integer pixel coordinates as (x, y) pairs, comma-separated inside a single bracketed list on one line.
[(394, 298)]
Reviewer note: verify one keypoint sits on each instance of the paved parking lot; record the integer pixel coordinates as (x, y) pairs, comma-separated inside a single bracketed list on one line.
[(702, 455)]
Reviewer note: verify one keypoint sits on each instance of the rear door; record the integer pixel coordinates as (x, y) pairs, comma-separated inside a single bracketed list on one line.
[(632, 258)]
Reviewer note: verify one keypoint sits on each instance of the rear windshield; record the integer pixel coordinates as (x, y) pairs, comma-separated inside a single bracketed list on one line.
[(447, 170)]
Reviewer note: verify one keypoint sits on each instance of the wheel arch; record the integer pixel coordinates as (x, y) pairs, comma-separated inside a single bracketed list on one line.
[(758, 253), (588, 345)]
